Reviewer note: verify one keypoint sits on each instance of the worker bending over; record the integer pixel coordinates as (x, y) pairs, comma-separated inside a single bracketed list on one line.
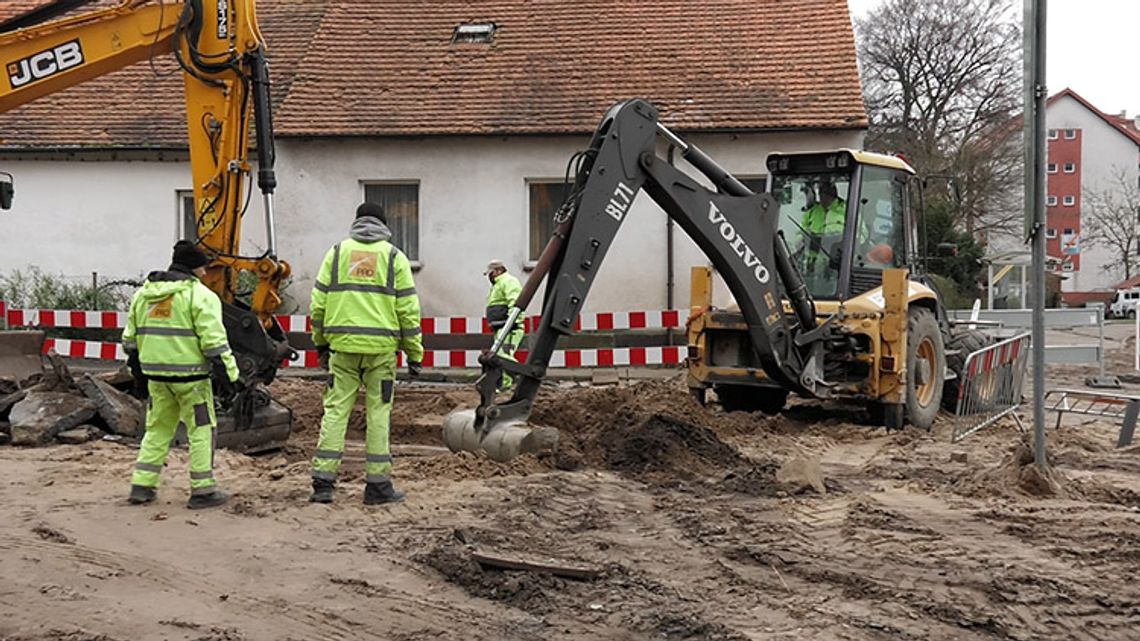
[(505, 290)]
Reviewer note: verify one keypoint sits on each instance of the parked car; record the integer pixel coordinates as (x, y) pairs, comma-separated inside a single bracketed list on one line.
[(1124, 303)]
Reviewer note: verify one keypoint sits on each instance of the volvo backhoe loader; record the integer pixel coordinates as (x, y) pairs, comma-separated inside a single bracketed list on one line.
[(890, 335), (221, 53)]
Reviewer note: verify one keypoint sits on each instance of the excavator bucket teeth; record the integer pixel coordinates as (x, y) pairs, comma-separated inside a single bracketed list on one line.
[(21, 354), (502, 441)]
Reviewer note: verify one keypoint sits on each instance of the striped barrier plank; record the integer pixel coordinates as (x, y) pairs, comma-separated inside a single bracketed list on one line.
[(434, 359), (431, 325)]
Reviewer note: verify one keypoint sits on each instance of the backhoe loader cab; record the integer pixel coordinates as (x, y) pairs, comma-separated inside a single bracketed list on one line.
[(845, 219)]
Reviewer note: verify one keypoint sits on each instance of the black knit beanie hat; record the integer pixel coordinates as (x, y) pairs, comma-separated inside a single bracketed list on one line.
[(189, 256)]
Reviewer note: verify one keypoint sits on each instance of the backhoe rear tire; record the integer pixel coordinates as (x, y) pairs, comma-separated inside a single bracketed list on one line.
[(963, 342), (751, 398), (925, 367)]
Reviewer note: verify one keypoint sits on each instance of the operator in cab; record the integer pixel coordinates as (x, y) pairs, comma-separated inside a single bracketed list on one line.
[(824, 222), (364, 310), (505, 290), (174, 341)]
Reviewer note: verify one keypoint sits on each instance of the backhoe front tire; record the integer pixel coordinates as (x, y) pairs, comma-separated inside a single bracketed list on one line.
[(963, 342), (925, 367)]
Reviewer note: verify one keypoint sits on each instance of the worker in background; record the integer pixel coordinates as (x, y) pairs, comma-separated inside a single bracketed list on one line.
[(174, 341), (364, 310), (505, 290)]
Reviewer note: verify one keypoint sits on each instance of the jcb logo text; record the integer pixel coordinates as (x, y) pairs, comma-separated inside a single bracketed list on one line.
[(45, 64)]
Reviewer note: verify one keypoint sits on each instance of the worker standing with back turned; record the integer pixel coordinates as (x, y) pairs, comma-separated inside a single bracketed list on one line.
[(364, 310), (174, 339), (505, 290)]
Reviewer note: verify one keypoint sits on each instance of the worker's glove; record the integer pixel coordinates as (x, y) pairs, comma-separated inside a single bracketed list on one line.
[(228, 389), (415, 368), (139, 387), (323, 353)]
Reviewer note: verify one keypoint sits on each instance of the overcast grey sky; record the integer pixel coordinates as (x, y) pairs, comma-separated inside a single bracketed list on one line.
[(1091, 49)]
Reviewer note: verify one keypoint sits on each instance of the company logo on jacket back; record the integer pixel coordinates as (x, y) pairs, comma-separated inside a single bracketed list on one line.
[(739, 246), (45, 64)]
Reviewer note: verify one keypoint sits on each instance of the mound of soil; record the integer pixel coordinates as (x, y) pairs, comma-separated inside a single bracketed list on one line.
[(648, 430), (1016, 475)]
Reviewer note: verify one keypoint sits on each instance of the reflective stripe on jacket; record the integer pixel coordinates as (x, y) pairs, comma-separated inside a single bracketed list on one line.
[(364, 301), (504, 292), (175, 325)]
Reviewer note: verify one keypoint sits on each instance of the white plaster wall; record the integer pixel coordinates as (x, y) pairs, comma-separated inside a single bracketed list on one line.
[(1103, 150), (473, 207), (119, 218), (116, 218)]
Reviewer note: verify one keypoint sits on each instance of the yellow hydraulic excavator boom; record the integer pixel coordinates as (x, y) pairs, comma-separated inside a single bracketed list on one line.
[(221, 52)]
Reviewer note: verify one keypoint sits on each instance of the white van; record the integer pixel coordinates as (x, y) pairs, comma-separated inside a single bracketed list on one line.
[(1124, 303)]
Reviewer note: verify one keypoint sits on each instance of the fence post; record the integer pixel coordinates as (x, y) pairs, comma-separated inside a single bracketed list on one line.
[(1128, 425)]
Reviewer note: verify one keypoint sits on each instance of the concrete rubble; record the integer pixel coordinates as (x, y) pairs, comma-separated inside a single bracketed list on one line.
[(41, 416), (57, 405), (81, 434), (121, 412)]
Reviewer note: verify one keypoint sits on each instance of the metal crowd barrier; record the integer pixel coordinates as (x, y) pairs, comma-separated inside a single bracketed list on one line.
[(989, 387), (1119, 406), (1066, 318)]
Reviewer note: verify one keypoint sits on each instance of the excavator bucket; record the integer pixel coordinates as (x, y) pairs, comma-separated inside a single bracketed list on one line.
[(21, 354), (502, 440)]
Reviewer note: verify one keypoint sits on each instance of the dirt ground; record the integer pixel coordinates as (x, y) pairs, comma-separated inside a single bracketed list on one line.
[(675, 507)]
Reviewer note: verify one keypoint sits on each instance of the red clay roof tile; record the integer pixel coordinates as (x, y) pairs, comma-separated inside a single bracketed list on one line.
[(382, 68)]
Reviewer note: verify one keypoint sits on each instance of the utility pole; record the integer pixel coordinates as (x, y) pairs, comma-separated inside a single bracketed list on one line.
[(1035, 94)]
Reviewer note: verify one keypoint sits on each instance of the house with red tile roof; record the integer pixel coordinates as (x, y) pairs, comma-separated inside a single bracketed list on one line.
[(459, 117), (1088, 150)]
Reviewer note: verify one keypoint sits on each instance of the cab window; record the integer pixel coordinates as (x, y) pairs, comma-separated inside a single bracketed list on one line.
[(880, 241)]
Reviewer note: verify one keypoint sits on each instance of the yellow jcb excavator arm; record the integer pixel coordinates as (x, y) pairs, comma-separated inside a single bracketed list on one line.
[(222, 54)]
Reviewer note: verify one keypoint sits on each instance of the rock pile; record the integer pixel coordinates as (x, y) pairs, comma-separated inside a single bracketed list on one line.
[(57, 406)]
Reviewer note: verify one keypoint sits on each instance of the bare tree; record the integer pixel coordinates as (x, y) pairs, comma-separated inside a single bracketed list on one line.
[(1110, 216), (942, 81)]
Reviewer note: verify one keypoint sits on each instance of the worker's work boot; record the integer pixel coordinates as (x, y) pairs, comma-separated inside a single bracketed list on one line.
[(380, 493), (140, 494), (203, 501), (322, 491)]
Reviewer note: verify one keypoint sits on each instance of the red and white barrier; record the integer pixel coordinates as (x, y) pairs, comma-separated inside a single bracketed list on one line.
[(432, 325), (436, 359)]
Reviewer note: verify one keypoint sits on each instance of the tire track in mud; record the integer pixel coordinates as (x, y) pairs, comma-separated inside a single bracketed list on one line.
[(309, 622)]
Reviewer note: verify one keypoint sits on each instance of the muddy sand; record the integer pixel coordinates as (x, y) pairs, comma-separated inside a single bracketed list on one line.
[(673, 510)]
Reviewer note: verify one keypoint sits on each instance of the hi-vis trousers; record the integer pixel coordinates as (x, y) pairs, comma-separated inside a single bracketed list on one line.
[(191, 403), (377, 372)]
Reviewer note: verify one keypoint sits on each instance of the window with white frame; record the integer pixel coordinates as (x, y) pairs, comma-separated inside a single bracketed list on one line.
[(1051, 168), (1067, 267), (1070, 201), (1070, 134), (185, 223), (544, 198), (1070, 168), (401, 203), (1051, 201), (1052, 134), (1051, 233)]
